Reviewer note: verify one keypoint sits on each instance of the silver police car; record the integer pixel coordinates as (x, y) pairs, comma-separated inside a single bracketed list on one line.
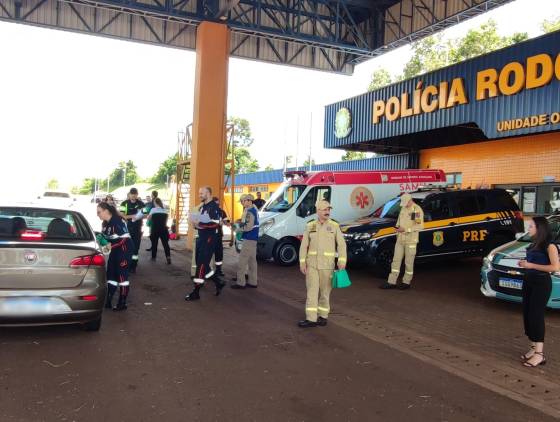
[(51, 268)]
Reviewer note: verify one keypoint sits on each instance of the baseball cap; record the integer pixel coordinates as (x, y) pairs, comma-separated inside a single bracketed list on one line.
[(323, 205), (405, 199)]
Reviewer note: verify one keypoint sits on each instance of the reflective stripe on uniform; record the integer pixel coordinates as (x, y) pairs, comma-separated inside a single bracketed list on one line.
[(219, 263), (198, 281), (341, 259), (112, 283), (125, 283), (135, 257), (324, 309), (395, 271), (311, 309), (412, 246), (409, 272), (302, 261), (329, 254), (312, 253), (210, 274)]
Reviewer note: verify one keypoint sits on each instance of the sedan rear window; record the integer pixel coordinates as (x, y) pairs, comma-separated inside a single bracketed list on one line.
[(36, 224)]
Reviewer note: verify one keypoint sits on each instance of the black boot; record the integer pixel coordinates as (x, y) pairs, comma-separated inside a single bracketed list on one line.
[(121, 305), (194, 295), (111, 289), (219, 284), (168, 260), (219, 270)]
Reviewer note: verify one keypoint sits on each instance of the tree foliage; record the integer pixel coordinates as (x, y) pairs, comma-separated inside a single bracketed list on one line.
[(379, 79), (242, 140), (166, 168), (432, 53), (550, 25), (124, 174), (307, 162), (353, 155), (52, 184)]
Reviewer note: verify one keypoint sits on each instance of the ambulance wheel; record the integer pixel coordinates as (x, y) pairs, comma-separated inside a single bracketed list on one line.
[(286, 253), (383, 260)]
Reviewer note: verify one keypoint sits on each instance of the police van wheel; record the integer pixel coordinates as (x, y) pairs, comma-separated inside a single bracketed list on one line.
[(383, 260), (286, 254)]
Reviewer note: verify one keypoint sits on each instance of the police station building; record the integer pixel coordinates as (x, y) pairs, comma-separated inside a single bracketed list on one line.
[(490, 121)]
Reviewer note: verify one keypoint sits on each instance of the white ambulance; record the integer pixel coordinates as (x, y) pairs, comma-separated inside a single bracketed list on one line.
[(352, 194)]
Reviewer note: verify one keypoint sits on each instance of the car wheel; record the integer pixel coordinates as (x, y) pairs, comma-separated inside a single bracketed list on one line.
[(383, 260), (286, 254), (94, 325), (494, 242)]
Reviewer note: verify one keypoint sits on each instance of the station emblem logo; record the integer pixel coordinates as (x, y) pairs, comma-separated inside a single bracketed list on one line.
[(438, 238), (343, 123), (361, 199)]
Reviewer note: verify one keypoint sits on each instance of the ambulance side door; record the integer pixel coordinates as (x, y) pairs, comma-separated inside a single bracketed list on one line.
[(306, 209), (440, 234)]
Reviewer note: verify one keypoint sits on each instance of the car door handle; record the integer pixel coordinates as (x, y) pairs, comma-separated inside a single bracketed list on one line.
[(452, 223)]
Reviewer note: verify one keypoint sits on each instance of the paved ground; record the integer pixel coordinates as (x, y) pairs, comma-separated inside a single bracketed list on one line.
[(438, 352)]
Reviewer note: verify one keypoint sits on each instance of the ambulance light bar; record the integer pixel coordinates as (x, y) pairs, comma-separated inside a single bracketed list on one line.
[(292, 174)]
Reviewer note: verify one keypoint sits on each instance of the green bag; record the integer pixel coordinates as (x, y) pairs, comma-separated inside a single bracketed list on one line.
[(101, 240), (340, 279)]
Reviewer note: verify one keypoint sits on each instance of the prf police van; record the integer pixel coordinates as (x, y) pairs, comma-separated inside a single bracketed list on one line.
[(456, 223), (352, 194)]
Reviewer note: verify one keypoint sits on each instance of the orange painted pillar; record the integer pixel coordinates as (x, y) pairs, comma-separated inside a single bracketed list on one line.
[(210, 111)]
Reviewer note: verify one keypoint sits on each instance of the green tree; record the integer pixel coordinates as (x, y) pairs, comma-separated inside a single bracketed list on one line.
[(242, 140), (550, 25), (75, 190), (88, 186), (269, 167), (167, 168), (52, 184), (307, 162), (242, 136), (118, 175), (482, 40), (353, 155), (379, 79), (428, 54)]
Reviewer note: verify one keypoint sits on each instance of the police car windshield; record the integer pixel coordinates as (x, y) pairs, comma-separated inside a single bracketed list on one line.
[(554, 228), (284, 198), (392, 208)]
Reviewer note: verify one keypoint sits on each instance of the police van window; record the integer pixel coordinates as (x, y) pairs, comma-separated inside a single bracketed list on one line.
[(505, 201), (437, 208), (481, 200), (307, 205), (467, 203)]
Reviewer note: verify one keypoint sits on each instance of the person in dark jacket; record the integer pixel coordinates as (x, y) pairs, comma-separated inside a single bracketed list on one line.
[(115, 231), (132, 211), (259, 202), (206, 221), (542, 259), (157, 218)]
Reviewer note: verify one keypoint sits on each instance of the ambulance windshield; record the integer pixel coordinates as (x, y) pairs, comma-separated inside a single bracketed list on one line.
[(284, 198)]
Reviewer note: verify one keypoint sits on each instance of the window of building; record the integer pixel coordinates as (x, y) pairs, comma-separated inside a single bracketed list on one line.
[(529, 199), (454, 178), (263, 188), (238, 189)]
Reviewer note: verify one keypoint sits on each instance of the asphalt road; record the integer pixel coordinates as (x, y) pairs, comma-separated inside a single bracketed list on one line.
[(240, 356)]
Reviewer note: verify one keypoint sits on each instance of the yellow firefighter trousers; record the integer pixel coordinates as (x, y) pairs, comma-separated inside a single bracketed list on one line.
[(408, 250), (318, 293)]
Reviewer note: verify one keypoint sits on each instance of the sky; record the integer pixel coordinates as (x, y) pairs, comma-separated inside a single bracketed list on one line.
[(74, 105)]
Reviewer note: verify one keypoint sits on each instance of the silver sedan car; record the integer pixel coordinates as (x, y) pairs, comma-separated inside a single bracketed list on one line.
[(51, 268)]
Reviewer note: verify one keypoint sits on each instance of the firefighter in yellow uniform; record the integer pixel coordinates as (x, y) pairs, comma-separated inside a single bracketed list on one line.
[(321, 244), (409, 224)]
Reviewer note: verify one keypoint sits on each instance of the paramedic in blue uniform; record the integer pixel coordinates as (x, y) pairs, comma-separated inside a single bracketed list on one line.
[(207, 223), (132, 212), (115, 231)]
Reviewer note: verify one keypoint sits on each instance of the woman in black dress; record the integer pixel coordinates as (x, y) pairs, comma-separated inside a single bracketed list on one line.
[(542, 259)]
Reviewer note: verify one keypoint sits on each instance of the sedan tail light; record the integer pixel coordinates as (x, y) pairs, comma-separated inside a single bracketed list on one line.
[(32, 235), (97, 260)]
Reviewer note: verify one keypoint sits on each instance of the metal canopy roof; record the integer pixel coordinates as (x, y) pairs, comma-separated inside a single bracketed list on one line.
[(330, 35)]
